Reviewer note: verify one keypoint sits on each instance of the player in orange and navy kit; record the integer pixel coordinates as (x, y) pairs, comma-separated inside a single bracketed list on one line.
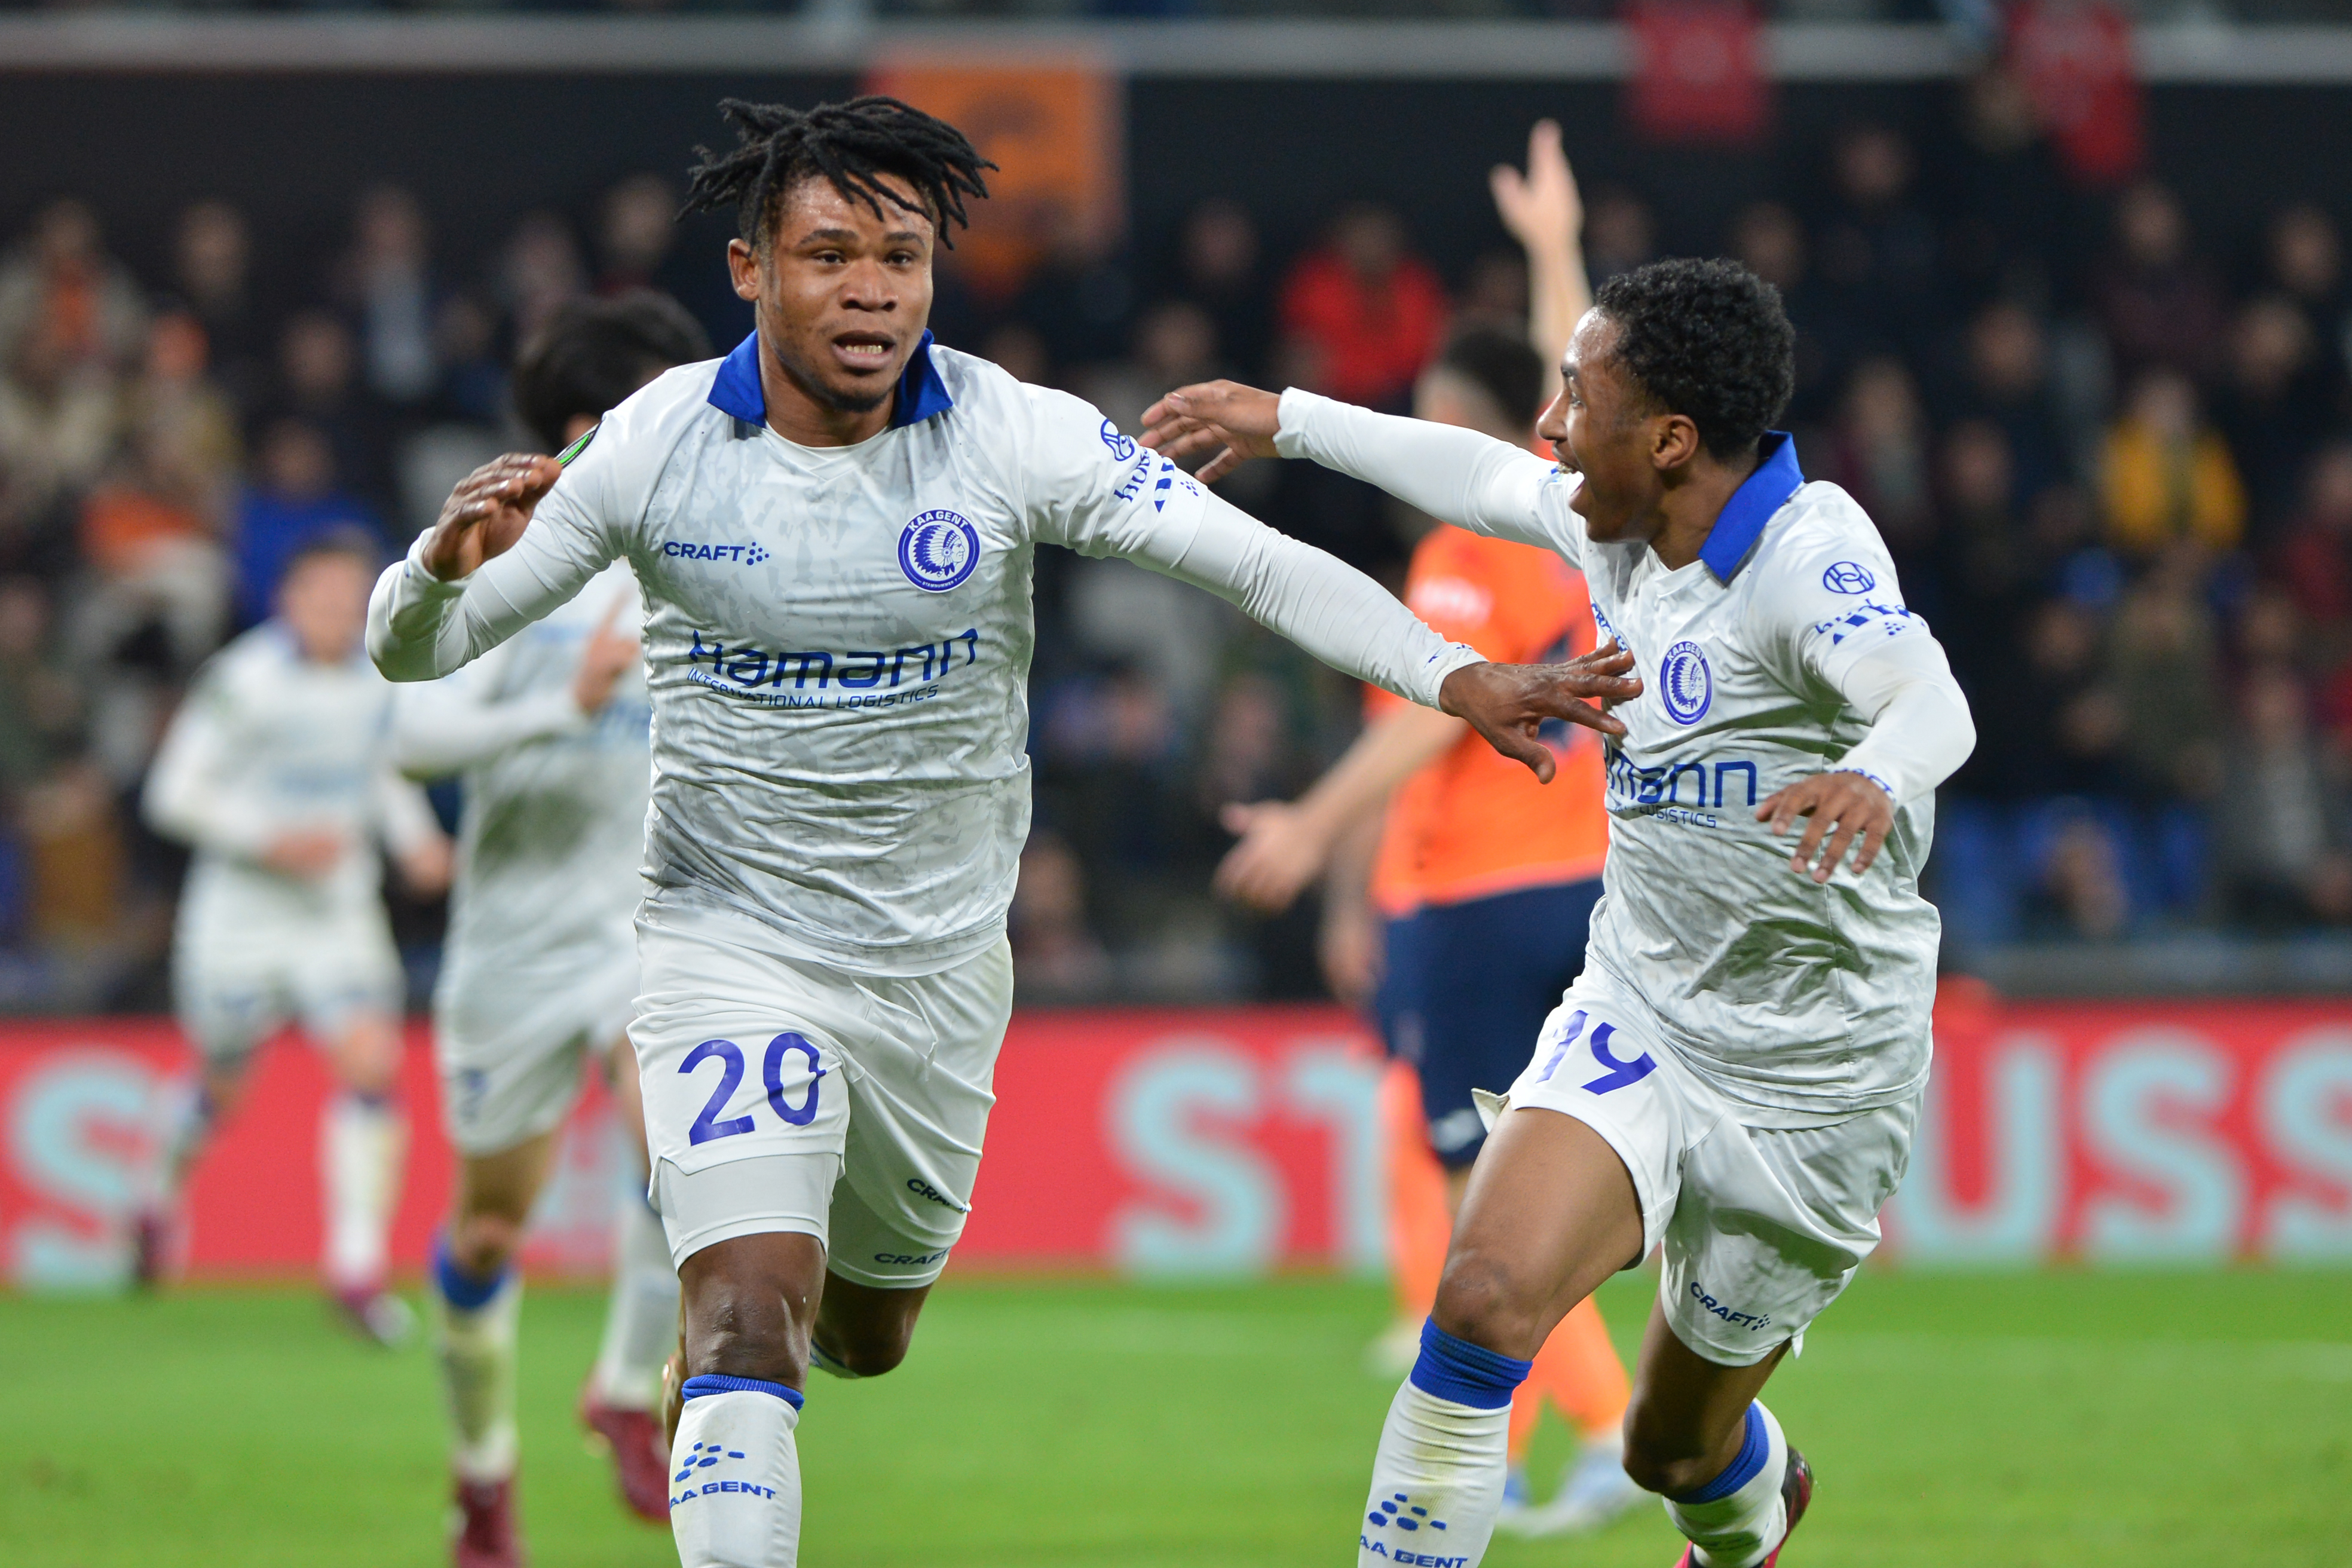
[(1483, 884)]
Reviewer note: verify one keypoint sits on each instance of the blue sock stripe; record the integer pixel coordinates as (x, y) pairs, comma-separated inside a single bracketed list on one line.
[(1753, 1451), (466, 1292), (1466, 1373), (713, 1382)]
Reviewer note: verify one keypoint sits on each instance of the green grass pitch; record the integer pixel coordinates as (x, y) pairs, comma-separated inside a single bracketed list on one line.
[(2006, 1421)]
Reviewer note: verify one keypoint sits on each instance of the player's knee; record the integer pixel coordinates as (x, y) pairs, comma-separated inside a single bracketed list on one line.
[(483, 1244), (746, 1313), (868, 1351), (1480, 1300)]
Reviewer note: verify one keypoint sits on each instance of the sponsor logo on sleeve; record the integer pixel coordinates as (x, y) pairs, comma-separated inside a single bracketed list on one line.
[(1848, 577), (1686, 683), (939, 550), (1122, 448)]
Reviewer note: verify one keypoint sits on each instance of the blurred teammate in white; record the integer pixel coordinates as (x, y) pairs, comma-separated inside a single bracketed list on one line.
[(278, 772), (834, 530), (539, 971), (1736, 1072)]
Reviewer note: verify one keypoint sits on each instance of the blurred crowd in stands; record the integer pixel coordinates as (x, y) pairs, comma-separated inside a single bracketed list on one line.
[(2113, 461)]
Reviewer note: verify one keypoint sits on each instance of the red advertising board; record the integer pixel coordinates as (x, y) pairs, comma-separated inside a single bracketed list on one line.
[(1236, 1140)]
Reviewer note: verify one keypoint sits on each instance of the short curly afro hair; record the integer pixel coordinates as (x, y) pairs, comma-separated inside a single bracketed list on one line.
[(1707, 340)]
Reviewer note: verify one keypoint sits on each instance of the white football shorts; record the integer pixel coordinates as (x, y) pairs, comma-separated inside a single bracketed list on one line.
[(786, 1095), (234, 982), (510, 1043), (1761, 1226)]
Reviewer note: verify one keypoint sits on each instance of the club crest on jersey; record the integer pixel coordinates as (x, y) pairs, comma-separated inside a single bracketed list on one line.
[(938, 550), (1686, 683), (1848, 577)]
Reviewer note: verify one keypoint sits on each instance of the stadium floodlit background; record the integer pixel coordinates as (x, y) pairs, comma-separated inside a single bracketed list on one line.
[(2074, 310)]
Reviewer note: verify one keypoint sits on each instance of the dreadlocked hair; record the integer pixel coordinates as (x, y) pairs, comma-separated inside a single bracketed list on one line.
[(849, 145)]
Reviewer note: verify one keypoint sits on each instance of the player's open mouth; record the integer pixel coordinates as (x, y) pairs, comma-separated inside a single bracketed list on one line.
[(864, 351)]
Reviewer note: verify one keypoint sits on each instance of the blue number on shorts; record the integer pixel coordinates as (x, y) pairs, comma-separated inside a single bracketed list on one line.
[(705, 1128), (1621, 1072), (1574, 1027), (772, 1069)]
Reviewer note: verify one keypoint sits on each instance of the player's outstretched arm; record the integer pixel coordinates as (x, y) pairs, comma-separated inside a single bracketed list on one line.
[(480, 573), (1455, 475)]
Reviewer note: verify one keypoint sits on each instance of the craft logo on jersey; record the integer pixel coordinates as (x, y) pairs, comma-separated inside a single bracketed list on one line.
[(1848, 577), (938, 550), (1686, 683)]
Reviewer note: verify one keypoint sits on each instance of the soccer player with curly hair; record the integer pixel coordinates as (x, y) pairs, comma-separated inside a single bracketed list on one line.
[(1735, 1074)]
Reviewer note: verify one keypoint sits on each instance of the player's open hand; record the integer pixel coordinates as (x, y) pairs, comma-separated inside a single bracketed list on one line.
[(488, 512), (1846, 808), (1281, 850), (1508, 704), (609, 656), (1229, 422), (1541, 207)]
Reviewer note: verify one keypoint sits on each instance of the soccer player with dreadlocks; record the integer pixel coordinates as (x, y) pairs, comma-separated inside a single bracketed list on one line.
[(833, 530)]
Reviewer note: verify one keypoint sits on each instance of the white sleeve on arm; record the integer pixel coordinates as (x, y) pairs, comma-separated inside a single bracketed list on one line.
[(1317, 601), (448, 725), (1455, 475), (1095, 490), (402, 814), (187, 798), (420, 629), (1920, 728)]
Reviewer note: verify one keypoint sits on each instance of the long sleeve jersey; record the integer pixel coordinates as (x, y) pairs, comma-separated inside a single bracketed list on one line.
[(838, 639), (1784, 649), (266, 742)]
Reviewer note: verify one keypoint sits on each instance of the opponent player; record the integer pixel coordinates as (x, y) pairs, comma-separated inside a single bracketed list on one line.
[(834, 530), (277, 772), (1738, 1072), (539, 971), (1485, 878)]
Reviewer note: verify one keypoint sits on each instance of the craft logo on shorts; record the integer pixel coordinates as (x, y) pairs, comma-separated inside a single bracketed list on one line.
[(1848, 577), (1686, 683), (938, 550)]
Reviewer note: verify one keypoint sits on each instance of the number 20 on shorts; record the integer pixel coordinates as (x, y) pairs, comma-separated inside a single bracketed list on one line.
[(729, 1056)]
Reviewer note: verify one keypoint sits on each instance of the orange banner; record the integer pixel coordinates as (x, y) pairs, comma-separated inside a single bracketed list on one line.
[(1055, 129)]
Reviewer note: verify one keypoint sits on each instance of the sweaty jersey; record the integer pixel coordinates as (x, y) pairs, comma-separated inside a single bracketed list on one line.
[(837, 639), (267, 743), (554, 823), (1475, 823), (1801, 1002)]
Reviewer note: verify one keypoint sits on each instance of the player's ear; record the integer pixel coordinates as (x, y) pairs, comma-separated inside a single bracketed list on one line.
[(743, 267), (1674, 442)]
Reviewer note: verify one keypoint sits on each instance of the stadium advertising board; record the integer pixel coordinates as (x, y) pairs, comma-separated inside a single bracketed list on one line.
[(1235, 1141)]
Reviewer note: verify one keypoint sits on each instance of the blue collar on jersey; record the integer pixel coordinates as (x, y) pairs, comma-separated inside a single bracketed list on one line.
[(921, 392), (1741, 522)]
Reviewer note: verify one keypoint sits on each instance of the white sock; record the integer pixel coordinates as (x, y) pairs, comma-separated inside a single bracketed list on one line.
[(735, 1477), (362, 1140), (474, 1324), (641, 1317), (1737, 1519), (1437, 1480)]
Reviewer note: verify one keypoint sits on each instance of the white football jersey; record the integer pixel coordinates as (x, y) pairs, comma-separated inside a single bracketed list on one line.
[(837, 639), (1786, 994), (554, 828), (266, 742)]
